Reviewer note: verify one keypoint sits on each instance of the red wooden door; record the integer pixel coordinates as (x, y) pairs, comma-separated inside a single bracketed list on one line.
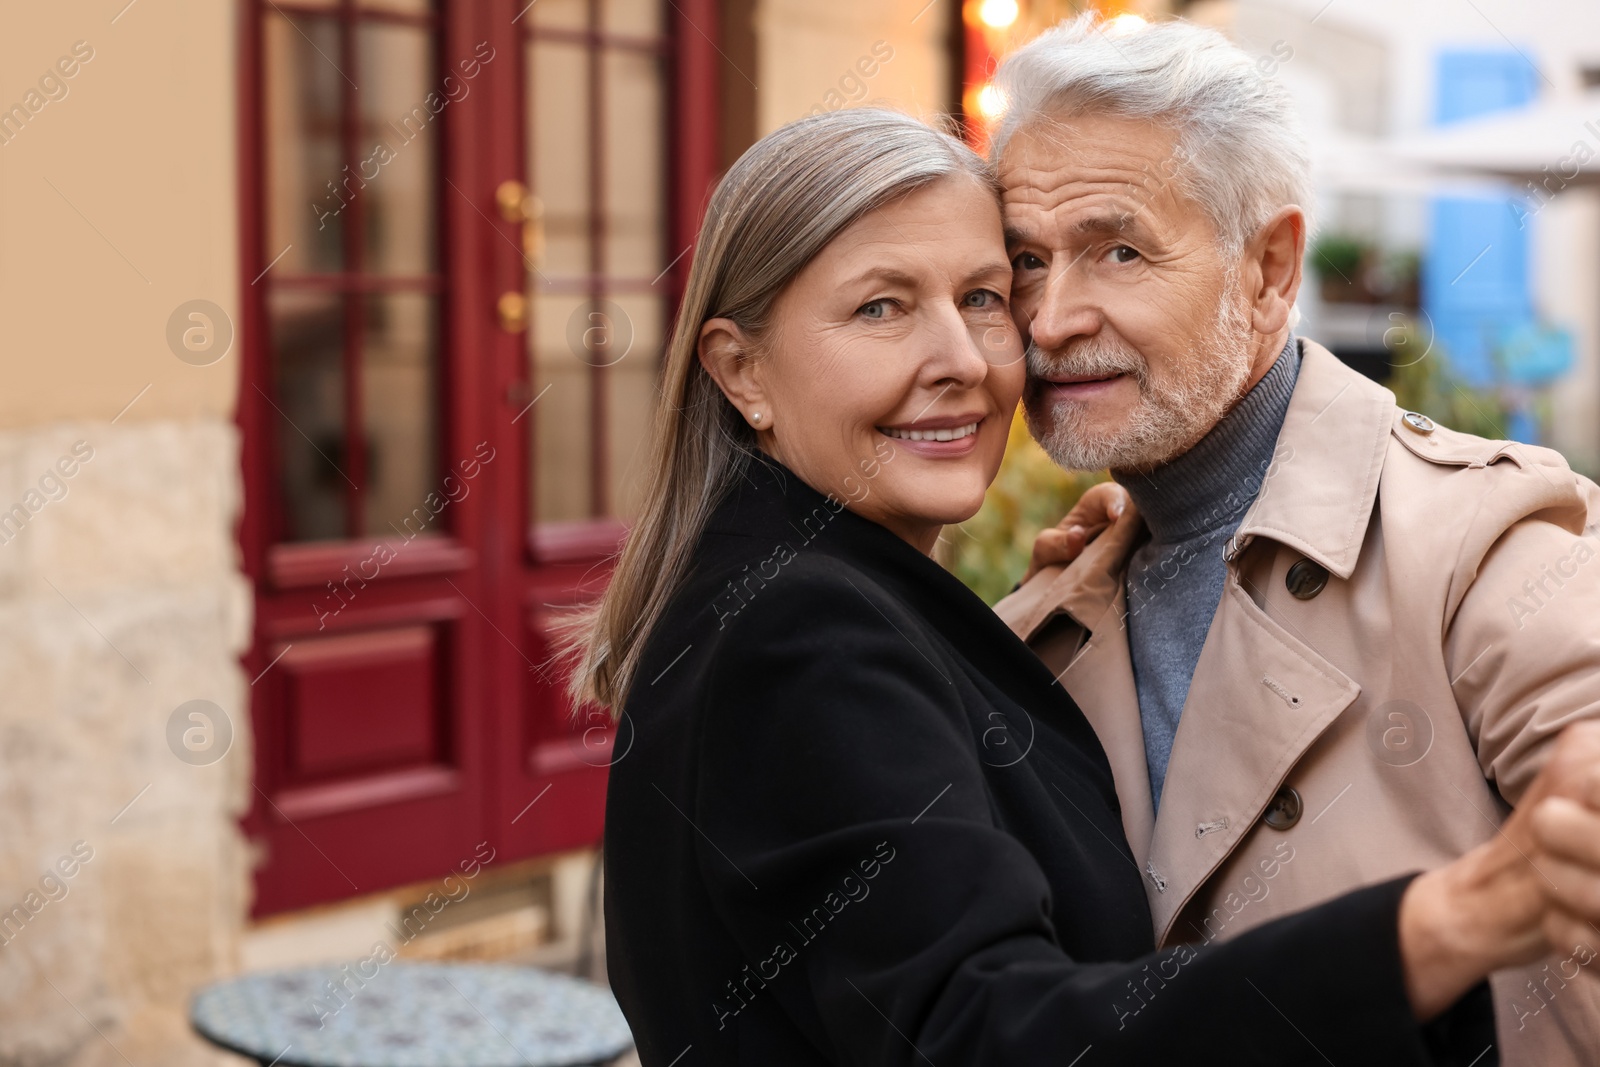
[(463, 222)]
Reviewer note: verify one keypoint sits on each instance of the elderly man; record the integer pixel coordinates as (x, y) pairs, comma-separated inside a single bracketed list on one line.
[(1334, 639)]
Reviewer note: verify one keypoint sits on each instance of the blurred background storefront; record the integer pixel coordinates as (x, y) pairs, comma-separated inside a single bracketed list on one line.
[(331, 332)]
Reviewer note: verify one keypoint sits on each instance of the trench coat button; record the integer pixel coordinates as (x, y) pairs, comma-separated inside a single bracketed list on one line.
[(1306, 579), (1417, 421), (1285, 809)]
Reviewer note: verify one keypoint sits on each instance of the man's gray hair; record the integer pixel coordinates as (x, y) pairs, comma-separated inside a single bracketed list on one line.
[(1241, 153)]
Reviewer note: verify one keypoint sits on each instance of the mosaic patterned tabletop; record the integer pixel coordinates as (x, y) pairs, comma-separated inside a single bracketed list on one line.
[(413, 1015)]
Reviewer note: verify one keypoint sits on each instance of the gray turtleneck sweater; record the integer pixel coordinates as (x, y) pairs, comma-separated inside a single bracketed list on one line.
[(1192, 505)]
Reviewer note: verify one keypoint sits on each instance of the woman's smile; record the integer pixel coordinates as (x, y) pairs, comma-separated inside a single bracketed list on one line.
[(937, 438)]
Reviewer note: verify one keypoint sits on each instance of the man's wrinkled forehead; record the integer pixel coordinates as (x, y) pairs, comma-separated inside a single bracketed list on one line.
[(1091, 147), (1111, 167)]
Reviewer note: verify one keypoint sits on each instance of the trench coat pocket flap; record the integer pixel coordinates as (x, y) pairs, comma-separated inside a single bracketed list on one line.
[(1260, 698)]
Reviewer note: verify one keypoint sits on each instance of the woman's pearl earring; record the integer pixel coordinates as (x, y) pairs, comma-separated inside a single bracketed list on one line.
[(755, 417)]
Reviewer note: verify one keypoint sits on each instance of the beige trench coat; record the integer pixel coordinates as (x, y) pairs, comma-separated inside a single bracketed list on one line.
[(1410, 616)]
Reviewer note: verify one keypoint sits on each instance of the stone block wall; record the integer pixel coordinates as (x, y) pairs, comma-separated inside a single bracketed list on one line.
[(124, 878)]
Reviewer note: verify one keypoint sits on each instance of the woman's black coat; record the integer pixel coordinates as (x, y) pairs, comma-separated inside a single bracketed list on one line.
[(852, 820)]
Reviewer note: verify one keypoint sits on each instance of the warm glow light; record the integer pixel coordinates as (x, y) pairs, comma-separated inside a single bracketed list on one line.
[(991, 102), (998, 13), (1126, 23)]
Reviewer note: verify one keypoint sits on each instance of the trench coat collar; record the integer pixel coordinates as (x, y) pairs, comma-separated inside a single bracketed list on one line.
[(1085, 591), (1318, 495)]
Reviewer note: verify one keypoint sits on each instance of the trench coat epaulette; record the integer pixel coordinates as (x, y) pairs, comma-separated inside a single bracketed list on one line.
[(1438, 444)]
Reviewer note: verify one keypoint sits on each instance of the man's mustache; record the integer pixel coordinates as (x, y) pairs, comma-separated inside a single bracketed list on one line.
[(1090, 357)]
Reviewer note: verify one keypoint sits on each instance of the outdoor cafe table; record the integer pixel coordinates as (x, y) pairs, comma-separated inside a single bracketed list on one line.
[(414, 1015)]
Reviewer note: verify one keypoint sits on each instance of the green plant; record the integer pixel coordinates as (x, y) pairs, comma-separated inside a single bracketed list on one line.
[(990, 551), (1340, 254)]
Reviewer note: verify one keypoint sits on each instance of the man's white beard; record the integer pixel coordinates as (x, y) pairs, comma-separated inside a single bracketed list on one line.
[(1172, 413)]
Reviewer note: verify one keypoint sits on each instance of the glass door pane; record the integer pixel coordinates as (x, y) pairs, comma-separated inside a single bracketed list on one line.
[(302, 94), (596, 141), (400, 387), (634, 128), (398, 148), (631, 396), (637, 17), (352, 147), (307, 332)]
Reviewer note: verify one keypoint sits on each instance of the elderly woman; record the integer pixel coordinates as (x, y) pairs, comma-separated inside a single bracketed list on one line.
[(859, 822)]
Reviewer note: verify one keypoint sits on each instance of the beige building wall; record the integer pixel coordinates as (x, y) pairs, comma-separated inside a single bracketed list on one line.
[(120, 591), (838, 53), (117, 204)]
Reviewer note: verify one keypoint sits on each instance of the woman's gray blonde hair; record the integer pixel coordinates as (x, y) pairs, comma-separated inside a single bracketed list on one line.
[(772, 213), (1241, 153)]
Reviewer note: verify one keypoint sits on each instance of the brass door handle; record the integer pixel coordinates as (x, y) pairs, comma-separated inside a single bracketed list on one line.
[(512, 309), (511, 197), (517, 204)]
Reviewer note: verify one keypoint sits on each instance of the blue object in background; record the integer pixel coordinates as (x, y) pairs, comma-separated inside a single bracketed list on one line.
[(1475, 278), (1535, 355), (1532, 356), (1474, 82)]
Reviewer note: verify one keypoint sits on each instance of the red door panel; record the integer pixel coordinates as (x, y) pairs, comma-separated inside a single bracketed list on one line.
[(369, 765), (366, 702)]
